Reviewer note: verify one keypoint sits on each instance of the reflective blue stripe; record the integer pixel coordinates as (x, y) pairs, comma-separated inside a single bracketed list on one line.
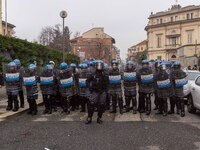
[(29, 80), (66, 82), (46, 80), (82, 82), (164, 84), (12, 76), (147, 78), (130, 76), (115, 79), (181, 82)]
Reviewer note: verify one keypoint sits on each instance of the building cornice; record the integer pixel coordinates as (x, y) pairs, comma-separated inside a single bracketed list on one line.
[(171, 23), (171, 12)]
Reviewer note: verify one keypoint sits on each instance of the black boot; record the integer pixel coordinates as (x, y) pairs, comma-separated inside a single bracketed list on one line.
[(172, 105), (178, 107), (114, 105), (127, 100), (21, 97), (134, 102), (120, 102), (99, 120), (34, 112), (30, 107), (10, 103), (16, 103), (148, 103), (182, 108), (89, 120), (165, 107), (45, 100)]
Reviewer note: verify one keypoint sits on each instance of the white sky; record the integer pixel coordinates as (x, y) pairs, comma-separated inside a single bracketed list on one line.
[(124, 20)]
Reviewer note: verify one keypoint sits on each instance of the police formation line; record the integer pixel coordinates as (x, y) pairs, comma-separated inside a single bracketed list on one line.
[(95, 86)]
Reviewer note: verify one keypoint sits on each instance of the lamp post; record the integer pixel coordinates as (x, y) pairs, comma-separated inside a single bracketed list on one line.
[(63, 15), (6, 18)]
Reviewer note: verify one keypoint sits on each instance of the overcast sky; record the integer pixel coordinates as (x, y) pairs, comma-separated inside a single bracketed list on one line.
[(124, 20)]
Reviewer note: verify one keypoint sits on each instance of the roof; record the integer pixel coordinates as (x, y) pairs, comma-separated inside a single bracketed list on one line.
[(101, 29), (142, 43), (9, 24), (174, 10)]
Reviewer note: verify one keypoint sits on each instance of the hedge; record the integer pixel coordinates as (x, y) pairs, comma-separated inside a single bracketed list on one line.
[(29, 52)]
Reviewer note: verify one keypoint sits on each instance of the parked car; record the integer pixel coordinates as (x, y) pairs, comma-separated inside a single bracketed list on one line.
[(194, 97), (192, 75)]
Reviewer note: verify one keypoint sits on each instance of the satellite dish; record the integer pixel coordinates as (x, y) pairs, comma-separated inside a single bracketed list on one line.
[(63, 14)]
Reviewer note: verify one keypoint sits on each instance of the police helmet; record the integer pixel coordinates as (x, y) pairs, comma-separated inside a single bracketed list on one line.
[(31, 66), (17, 62), (63, 66), (73, 66)]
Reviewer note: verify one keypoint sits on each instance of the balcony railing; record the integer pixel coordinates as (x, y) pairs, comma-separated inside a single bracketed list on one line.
[(172, 46)]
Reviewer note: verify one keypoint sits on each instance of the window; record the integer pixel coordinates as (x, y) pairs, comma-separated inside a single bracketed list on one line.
[(173, 41), (191, 15), (159, 57), (142, 48), (176, 18), (157, 21), (189, 37), (188, 16), (172, 19), (198, 81), (159, 38), (161, 21)]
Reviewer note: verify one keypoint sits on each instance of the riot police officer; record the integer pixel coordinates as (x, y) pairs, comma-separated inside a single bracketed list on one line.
[(156, 100), (115, 90), (146, 87), (130, 79), (56, 100), (97, 82), (106, 70), (65, 81), (47, 85), (20, 69), (30, 80), (179, 79), (13, 82), (164, 88), (74, 101), (83, 87)]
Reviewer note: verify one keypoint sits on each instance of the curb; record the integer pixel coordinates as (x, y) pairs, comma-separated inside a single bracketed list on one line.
[(11, 114)]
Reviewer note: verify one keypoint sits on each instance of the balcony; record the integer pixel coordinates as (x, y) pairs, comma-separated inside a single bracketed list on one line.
[(172, 46)]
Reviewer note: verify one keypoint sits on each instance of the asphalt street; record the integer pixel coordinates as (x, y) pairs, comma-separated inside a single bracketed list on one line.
[(118, 132)]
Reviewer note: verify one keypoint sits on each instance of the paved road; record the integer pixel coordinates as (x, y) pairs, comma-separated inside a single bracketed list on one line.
[(127, 131)]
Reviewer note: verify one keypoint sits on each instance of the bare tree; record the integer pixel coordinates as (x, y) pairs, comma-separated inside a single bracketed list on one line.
[(77, 34), (52, 37), (46, 36)]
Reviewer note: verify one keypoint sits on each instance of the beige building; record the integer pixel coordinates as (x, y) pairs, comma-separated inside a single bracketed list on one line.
[(10, 27), (174, 34), (95, 43), (134, 50)]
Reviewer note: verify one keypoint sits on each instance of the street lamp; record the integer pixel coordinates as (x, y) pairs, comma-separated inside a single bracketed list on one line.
[(63, 15), (6, 18)]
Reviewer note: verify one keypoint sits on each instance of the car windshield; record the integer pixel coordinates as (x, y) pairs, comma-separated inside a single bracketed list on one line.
[(193, 75)]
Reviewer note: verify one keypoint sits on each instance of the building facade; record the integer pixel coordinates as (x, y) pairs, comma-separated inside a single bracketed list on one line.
[(95, 43), (10, 27), (174, 34), (133, 51)]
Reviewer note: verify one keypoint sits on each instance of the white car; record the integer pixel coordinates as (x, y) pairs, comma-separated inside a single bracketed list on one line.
[(194, 97), (192, 75)]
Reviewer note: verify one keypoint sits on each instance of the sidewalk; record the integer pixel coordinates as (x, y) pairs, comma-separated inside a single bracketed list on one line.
[(4, 114)]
